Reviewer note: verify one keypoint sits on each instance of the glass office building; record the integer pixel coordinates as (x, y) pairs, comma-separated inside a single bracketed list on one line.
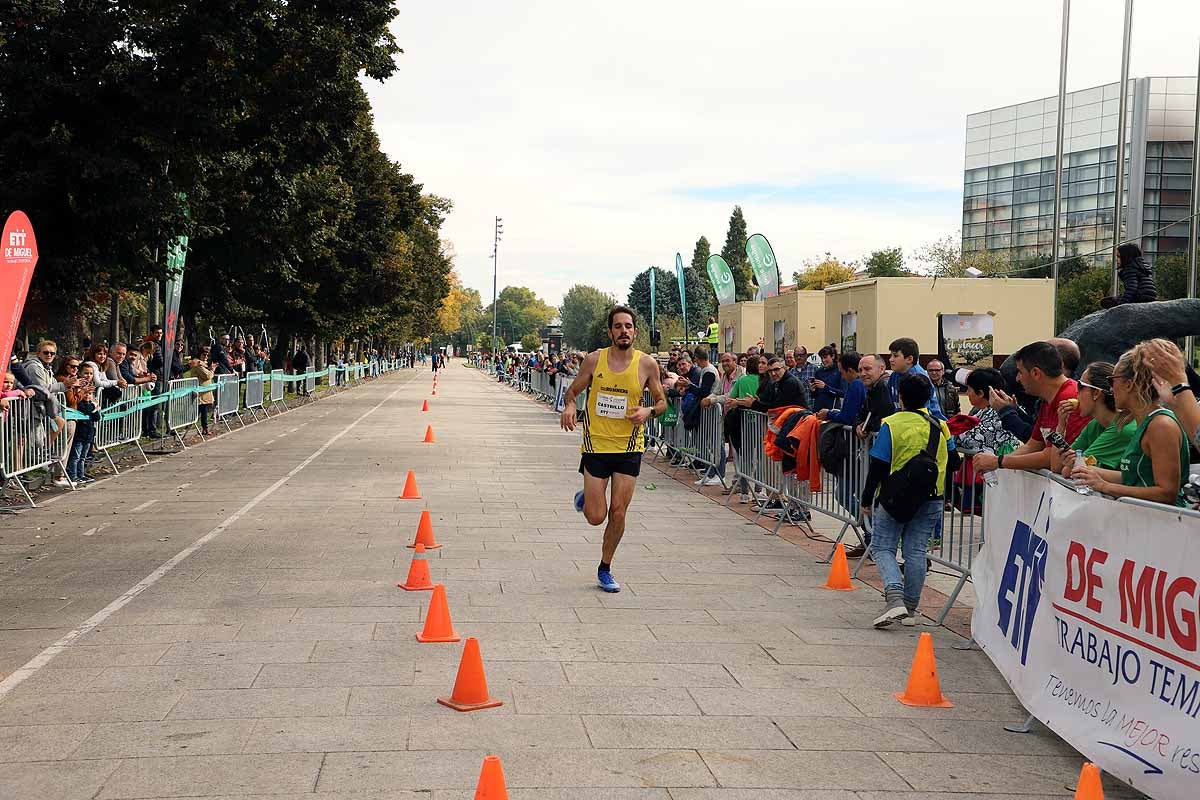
[(1008, 179)]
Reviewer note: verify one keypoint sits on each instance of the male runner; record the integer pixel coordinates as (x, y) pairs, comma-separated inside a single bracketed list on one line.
[(613, 434)]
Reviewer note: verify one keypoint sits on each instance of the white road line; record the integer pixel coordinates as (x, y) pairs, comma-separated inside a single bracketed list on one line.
[(43, 658), (212, 471), (90, 532), (142, 507), (184, 485)]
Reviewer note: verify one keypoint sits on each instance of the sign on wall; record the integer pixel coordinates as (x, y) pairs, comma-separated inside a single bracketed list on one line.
[(849, 341), (1089, 609), (967, 339), (778, 336)]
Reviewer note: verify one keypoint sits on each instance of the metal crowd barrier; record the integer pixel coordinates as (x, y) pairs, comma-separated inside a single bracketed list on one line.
[(700, 448), (254, 393), (228, 391), (310, 383), (183, 410), (30, 441), (123, 429), (278, 385)]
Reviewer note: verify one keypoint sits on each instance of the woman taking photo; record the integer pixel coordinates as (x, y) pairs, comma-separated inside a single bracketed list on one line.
[(1106, 437), (1155, 464)]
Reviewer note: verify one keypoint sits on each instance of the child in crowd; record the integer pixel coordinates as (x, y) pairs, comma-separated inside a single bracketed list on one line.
[(82, 398)]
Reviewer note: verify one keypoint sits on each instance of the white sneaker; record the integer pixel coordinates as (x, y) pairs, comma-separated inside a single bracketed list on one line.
[(699, 482), (713, 481), (61, 483)]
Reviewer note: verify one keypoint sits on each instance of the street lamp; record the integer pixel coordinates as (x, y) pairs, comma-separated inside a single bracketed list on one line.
[(495, 268)]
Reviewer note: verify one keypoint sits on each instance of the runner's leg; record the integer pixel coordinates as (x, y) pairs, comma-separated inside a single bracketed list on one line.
[(594, 500), (622, 493)]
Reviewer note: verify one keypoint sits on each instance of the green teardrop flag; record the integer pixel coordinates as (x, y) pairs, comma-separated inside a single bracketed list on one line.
[(721, 278), (762, 261)]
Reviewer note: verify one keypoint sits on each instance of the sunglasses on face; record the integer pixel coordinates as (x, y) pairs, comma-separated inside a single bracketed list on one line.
[(49, 352)]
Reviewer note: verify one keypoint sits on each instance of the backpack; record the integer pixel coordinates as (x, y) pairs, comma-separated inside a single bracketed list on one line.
[(909, 487), (833, 446)]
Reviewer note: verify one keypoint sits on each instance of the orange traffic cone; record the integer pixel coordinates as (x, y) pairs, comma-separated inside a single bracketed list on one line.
[(839, 572), (438, 627), (491, 781), (470, 687), (425, 533), (418, 573), (923, 688), (429, 435), (424, 405), (410, 488), (1088, 788)]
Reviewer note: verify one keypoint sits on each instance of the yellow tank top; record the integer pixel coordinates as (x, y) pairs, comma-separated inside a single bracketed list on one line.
[(611, 396)]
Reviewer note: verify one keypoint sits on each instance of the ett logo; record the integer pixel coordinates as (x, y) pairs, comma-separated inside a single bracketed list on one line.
[(1021, 583)]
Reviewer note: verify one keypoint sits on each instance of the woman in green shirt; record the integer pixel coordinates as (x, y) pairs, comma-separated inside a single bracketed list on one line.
[(1106, 437), (746, 387), (1155, 463)]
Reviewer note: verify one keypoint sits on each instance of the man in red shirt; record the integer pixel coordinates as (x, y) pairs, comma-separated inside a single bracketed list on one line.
[(1040, 372)]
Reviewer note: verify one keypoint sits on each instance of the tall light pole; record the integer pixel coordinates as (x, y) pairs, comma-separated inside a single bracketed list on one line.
[(1058, 152), (495, 268), (1123, 110)]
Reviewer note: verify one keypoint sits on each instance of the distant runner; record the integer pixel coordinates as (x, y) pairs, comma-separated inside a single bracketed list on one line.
[(613, 433)]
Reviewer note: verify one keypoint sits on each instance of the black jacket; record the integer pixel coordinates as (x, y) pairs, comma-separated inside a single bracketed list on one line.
[(300, 361), (879, 405), (1137, 280), (779, 394)]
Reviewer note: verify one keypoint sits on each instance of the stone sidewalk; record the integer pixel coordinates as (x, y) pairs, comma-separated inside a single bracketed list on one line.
[(278, 660)]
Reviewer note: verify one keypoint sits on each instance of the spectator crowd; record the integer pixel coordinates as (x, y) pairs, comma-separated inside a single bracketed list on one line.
[(55, 381), (933, 435)]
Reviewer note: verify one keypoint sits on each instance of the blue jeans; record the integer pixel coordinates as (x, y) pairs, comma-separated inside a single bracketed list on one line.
[(81, 445), (913, 536)]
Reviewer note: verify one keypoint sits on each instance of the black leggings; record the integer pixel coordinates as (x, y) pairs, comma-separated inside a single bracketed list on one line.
[(205, 410)]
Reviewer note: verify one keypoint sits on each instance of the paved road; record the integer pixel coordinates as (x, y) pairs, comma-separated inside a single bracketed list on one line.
[(277, 658)]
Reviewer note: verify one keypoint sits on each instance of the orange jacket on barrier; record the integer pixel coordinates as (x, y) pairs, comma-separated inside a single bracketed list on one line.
[(807, 434), (775, 421)]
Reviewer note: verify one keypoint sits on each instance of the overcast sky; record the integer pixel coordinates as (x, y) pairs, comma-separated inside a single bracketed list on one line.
[(611, 135)]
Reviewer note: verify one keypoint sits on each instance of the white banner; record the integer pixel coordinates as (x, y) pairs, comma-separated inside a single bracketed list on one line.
[(1089, 608)]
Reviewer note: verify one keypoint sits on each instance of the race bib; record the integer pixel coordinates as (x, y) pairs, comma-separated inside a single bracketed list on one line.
[(612, 406)]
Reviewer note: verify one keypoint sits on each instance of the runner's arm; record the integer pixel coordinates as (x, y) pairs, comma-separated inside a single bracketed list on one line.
[(581, 382)]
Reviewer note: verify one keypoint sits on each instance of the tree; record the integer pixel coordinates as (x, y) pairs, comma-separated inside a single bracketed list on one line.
[(243, 126), (700, 255), (944, 258), (531, 341), (888, 263), (734, 253), (824, 273), (581, 308), (1170, 275), (519, 312), (666, 294), (1080, 294)]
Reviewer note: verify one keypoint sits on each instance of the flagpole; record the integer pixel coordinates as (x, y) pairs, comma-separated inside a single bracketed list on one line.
[(1123, 110), (1058, 152), (1190, 346)]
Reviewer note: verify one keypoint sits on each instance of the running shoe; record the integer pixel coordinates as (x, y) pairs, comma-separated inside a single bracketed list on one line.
[(605, 579), (579, 501)]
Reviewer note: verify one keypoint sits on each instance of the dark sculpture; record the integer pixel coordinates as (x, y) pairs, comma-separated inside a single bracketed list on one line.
[(1105, 335)]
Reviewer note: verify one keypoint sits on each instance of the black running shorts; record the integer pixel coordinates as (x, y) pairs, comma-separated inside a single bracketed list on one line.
[(603, 465)]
